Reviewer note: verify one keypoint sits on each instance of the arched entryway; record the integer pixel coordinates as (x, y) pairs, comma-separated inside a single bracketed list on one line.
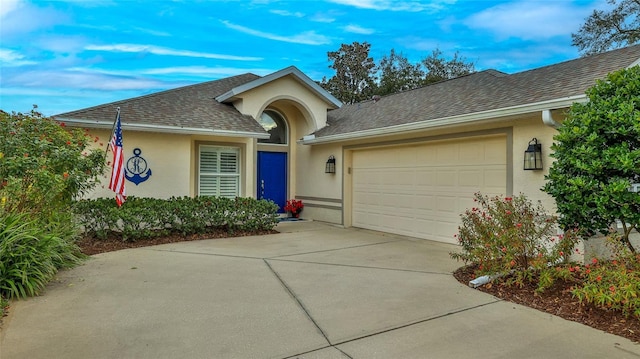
[(272, 171)]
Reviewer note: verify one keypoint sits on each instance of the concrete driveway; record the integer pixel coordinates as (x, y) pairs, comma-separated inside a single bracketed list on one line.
[(312, 291)]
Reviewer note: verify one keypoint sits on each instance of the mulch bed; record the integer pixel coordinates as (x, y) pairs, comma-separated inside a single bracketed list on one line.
[(90, 246), (559, 301)]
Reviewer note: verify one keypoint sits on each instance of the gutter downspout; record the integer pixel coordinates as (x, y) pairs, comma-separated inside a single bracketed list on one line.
[(547, 119)]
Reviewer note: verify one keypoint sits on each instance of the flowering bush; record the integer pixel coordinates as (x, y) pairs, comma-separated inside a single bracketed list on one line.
[(513, 236), (43, 164), (294, 206), (612, 284)]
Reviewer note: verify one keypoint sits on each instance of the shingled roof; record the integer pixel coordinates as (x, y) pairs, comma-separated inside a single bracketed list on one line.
[(485, 93), (189, 109)]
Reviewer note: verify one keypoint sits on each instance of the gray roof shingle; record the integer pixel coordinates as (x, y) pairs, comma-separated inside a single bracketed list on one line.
[(191, 106), (481, 91)]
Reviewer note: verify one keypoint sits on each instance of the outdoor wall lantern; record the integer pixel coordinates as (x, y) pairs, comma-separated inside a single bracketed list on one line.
[(533, 156), (330, 167)]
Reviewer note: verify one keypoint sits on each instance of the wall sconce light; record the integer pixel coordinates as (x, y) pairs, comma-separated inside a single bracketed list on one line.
[(533, 156), (330, 167)]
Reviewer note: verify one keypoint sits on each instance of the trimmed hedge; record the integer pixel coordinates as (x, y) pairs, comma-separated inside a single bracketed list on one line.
[(140, 218)]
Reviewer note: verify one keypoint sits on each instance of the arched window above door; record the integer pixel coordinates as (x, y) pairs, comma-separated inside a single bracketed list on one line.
[(273, 123)]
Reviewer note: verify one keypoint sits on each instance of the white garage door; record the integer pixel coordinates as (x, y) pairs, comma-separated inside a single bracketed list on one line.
[(420, 190)]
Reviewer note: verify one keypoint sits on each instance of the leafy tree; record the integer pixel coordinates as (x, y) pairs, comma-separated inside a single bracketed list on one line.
[(439, 68), (606, 30), (44, 165), (597, 152), (397, 74), (354, 80)]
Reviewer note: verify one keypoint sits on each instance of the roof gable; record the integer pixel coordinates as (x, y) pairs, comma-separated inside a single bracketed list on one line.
[(235, 92)]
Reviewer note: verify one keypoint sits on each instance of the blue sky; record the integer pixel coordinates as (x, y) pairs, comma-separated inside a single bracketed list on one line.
[(68, 55)]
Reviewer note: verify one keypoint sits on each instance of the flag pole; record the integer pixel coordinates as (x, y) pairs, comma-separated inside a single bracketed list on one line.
[(113, 128)]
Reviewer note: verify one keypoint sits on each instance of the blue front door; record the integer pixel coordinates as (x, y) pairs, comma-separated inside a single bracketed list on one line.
[(272, 177)]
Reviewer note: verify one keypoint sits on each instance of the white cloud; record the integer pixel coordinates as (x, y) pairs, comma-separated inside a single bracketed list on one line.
[(8, 6), (305, 38), (517, 59), (82, 80), (157, 50), (152, 32), (205, 71), (529, 19), (201, 71), (358, 30), (392, 5), (19, 18), (323, 18), (13, 58), (287, 13)]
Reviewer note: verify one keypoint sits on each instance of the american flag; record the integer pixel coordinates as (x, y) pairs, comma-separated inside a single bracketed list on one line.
[(117, 165)]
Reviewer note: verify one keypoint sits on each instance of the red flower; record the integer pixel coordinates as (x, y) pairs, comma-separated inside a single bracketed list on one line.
[(519, 225), (504, 249), (594, 260), (599, 278), (294, 206), (508, 198), (65, 175)]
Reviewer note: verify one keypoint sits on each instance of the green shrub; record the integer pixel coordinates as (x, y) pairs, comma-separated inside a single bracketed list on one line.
[(512, 236), (140, 218), (597, 152), (31, 253)]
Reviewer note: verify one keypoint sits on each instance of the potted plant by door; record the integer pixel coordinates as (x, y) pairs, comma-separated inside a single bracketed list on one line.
[(294, 207)]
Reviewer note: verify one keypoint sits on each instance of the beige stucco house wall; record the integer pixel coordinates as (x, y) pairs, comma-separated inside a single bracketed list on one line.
[(172, 160)]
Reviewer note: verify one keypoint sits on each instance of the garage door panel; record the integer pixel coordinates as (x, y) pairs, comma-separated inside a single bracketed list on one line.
[(470, 178), (421, 190), (398, 201)]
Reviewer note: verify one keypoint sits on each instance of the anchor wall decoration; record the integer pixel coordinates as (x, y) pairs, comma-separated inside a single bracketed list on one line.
[(137, 170)]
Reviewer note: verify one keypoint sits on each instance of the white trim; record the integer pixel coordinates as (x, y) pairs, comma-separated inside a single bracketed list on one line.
[(447, 121), (291, 70), (162, 128)]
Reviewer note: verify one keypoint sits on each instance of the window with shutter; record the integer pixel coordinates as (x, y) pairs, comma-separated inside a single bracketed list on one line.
[(219, 171)]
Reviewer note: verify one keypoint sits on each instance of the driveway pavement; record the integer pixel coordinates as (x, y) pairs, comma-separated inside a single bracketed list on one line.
[(312, 291)]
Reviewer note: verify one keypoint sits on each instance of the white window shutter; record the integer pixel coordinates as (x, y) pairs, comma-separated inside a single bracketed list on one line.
[(219, 171)]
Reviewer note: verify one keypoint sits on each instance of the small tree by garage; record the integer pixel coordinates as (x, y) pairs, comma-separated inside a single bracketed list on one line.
[(597, 152)]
